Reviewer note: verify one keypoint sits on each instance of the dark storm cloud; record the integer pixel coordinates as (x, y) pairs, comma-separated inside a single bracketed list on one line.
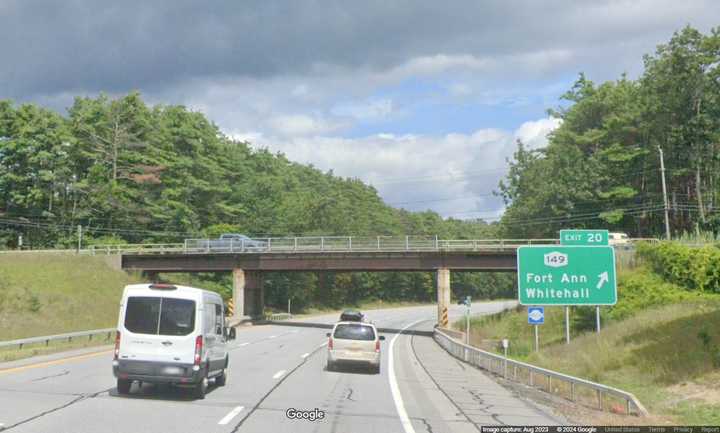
[(53, 46)]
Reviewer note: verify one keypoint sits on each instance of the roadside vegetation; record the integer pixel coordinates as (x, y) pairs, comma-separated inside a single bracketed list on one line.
[(44, 294), (660, 342)]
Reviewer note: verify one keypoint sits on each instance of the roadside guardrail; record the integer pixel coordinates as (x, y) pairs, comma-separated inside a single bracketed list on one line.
[(572, 388), (68, 336), (278, 316)]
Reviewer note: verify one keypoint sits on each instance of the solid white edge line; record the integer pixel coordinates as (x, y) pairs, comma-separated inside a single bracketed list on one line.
[(304, 355), (279, 374), (232, 414), (394, 388)]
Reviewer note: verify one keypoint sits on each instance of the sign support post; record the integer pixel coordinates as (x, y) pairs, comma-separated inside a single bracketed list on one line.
[(467, 320), (597, 318), (537, 340), (567, 324)]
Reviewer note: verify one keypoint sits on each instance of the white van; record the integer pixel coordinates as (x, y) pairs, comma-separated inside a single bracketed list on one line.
[(618, 239), (171, 334)]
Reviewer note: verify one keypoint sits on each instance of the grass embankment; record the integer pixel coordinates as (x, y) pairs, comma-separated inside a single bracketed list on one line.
[(661, 342), (44, 294)]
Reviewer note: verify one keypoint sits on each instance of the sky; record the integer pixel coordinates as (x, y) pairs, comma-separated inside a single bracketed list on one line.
[(424, 100)]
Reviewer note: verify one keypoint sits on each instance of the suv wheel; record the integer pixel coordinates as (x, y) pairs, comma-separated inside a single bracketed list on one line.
[(201, 387), (123, 386)]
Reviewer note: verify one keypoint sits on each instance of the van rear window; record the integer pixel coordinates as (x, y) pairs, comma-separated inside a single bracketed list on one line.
[(354, 332), (163, 316)]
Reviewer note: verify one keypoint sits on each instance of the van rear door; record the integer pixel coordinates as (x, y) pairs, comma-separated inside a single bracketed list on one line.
[(159, 329)]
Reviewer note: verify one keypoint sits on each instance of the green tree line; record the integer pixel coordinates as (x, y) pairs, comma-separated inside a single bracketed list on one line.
[(601, 168), (129, 172)]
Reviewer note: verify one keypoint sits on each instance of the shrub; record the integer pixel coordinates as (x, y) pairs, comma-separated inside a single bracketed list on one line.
[(692, 268)]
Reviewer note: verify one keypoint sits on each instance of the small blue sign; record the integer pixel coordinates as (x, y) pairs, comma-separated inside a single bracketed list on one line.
[(536, 315)]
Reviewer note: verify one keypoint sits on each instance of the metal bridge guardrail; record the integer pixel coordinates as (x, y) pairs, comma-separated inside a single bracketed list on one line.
[(315, 244), (532, 376), (48, 338)]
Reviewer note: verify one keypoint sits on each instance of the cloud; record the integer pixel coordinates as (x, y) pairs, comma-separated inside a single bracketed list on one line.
[(78, 46), (294, 125), (364, 110), (453, 174), (535, 133)]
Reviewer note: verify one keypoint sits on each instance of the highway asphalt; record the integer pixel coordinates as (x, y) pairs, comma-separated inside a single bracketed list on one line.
[(274, 368)]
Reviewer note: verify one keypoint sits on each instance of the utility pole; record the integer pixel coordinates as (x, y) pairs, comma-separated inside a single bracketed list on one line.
[(665, 197)]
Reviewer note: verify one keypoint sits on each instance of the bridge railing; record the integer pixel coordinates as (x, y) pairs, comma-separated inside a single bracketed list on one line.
[(324, 244), (572, 388)]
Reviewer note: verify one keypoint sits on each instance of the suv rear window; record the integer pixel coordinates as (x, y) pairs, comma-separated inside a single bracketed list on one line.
[(354, 332), (159, 316)]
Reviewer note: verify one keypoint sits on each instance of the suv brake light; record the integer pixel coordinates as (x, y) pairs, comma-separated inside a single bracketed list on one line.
[(330, 343), (377, 345)]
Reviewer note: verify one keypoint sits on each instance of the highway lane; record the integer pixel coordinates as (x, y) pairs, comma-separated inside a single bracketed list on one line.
[(273, 368)]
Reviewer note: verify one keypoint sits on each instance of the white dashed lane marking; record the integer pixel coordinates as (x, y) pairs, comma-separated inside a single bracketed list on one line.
[(233, 413)]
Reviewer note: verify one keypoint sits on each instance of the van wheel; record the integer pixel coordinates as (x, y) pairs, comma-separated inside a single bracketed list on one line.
[(221, 380), (201, 387), (123, 386)]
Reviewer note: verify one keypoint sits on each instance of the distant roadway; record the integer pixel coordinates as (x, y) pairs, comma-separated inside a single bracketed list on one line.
[(274, 368)]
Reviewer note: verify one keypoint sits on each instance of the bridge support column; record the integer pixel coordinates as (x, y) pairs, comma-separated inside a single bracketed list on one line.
[(248, 293), (443, 292)]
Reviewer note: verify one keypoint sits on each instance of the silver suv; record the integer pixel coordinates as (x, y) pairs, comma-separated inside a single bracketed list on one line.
[(354, 343)]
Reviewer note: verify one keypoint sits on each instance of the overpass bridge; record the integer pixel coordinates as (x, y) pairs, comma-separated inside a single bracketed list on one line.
[(249, 261)]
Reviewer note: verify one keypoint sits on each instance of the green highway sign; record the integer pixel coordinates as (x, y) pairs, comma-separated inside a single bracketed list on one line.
[(566, 275), (584, 237)]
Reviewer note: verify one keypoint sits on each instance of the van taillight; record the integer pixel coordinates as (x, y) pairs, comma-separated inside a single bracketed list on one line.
[(198, 349), (330, 343), (117, 345), (377, 346)]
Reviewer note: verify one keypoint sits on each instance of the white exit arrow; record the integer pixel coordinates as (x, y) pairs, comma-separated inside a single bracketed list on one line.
[(604, 278)]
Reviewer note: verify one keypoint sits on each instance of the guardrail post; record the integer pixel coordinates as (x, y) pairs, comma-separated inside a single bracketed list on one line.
[(378, 243), (531, 379), (436, 242), (269, 244), (407, 243), (550, 390), (627, 406), (295, 244), (47, 342), (350, 243), (599, 397), (572, 391), (322, 243), (20, 346)]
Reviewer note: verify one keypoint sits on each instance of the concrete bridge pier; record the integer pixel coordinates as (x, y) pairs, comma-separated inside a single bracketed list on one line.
[(248, 293), (443, 293)]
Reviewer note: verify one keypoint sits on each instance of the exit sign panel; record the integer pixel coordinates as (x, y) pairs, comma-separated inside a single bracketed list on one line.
[(566, 275), (584, 237)]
